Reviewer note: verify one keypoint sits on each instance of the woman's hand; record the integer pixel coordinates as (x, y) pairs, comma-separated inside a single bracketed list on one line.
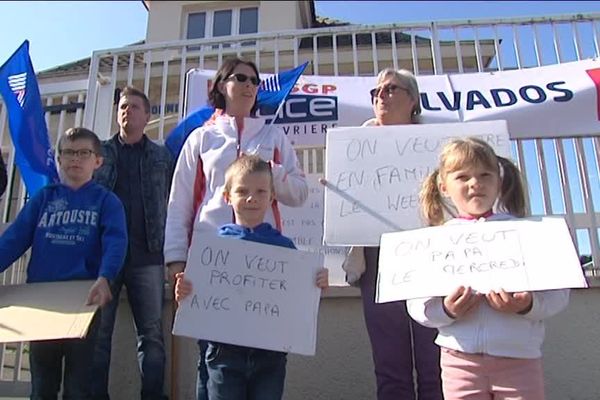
[(461, 301), (183, 287), (323, 278), (518, 302)]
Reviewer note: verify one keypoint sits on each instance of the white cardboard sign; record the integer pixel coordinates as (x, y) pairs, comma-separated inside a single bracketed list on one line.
[(304, 225), (515, 255), (250, 294), (45, 311), (374, 175)]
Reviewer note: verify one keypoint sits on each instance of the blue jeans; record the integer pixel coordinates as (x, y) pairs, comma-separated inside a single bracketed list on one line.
[(145, 289), (202, 378), (46, 363), (244, 373)]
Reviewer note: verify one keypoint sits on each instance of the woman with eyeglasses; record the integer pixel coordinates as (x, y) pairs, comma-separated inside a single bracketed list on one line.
[(399, 344), (196, 201)]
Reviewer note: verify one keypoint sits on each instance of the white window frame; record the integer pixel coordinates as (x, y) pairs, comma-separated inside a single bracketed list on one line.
[(208, 25)]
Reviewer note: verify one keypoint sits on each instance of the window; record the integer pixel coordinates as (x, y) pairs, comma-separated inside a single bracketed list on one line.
[(248, 20), (222, 23), (236, 21), (196, 26), (248, 23)]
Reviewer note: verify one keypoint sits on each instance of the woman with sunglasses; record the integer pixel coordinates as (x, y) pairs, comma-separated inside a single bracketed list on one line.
[(396, 340), (196, 201)]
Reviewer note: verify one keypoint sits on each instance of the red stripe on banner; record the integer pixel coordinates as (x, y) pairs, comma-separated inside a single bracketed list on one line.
[(595, 75)]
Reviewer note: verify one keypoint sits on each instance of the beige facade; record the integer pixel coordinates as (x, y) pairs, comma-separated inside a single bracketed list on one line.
[(272, 16)]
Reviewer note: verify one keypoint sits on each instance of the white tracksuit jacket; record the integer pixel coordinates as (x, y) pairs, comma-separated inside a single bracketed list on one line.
[(196, 200)]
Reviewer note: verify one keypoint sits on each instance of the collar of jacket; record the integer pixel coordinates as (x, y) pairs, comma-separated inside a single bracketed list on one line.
[(228, 125)]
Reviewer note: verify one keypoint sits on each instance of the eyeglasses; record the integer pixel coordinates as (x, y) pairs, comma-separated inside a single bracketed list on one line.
[(82, 154), (388, 90), (243, 78)]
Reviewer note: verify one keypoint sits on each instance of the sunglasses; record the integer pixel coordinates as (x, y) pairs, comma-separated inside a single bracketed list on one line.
[(243, 78), (387, 90)]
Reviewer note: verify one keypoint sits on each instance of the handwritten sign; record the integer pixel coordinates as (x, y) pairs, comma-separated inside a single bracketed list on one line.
[(304, 225), (516, 255), (374, 175), (250, 294)]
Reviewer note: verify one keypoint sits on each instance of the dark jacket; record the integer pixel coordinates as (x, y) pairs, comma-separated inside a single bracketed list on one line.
[(3, 176), (156, 168)]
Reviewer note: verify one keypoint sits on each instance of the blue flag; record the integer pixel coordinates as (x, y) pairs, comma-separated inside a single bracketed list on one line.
[(28, 130), (271, 93)]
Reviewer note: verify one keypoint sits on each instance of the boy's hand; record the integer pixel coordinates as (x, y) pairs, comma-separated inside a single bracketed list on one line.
[(519, 302), (460, 302), (99, 293), (173, 269), (323, 278), (183, 287)]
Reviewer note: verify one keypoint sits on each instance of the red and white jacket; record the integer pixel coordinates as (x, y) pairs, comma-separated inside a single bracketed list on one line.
[(196, 201)]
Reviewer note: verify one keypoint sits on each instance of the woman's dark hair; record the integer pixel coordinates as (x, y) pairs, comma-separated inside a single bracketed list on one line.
[(216, 98)]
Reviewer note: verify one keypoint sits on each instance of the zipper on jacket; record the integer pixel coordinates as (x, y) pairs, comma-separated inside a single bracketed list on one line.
[(239, 140)]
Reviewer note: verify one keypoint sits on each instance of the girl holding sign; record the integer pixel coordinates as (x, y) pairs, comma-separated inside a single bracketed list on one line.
[(490, 343)]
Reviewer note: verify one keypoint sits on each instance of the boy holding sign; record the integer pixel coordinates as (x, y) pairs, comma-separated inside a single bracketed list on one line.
[(76, 230), (237, 372), (491, 343)]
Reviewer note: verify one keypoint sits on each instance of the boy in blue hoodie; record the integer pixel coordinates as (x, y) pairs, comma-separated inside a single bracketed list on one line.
[(237, 372), (76, 230)]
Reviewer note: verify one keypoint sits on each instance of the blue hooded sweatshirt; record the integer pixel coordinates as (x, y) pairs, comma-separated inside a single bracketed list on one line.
[(73, 234), (263, 233)]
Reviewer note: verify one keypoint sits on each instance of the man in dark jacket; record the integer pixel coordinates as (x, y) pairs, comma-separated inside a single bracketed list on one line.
[(139, 172)]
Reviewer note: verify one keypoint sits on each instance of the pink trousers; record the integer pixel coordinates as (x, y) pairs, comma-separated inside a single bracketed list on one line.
[(484, 377)]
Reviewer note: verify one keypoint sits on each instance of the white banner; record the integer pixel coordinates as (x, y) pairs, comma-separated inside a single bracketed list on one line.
[(374, 175), (304, 225), (250, 294), (549, 101), (519, 255)]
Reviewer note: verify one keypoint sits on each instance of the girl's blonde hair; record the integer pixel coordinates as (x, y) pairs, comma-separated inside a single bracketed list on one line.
[(472, 151)]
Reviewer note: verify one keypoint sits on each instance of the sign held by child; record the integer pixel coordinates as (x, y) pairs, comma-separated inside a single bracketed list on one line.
[(34, 311), (516, 255), (250, 294)]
